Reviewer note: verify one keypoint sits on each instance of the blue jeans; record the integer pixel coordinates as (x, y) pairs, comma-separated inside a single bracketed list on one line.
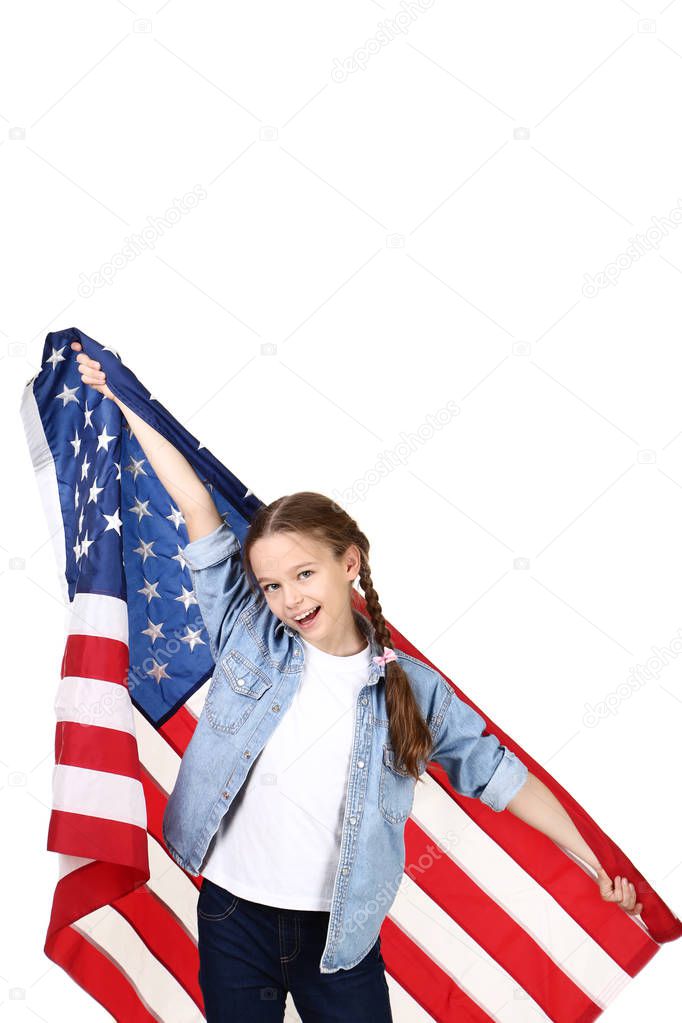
[(251, 955)]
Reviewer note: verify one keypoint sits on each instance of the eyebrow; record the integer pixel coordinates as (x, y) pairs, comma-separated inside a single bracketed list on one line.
[(262, 578)]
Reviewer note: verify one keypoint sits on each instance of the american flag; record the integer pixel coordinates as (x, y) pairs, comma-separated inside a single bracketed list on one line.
[(491, 920)]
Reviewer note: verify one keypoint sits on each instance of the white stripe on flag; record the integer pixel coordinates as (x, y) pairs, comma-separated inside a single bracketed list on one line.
[(46, 478), (95, 614), (404, 1008), (173, 887), (90, 701), (195, 703), (156, 755), (157, 987), (112, 797), (68, 863)]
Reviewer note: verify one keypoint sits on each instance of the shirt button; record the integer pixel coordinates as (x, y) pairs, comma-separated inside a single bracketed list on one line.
[(246, 753), (361, 763), (344, 870), (240, 681), (275, 707), (353, 820), (365, 700), (225, 795)]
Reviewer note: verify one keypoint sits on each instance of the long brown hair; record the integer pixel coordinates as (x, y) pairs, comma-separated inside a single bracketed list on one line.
[(316, 515)]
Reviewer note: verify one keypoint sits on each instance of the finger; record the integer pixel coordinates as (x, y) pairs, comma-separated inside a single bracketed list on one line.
[(628, 894), (76, 345), (606, 889), (604, 881), (605, 886), (88, 366), (632, 895)]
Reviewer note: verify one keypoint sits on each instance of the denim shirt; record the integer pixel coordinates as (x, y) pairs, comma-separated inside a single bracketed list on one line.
[(258, 668)]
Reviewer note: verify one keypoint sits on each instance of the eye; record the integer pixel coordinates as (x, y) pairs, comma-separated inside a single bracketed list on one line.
[(266, 588)]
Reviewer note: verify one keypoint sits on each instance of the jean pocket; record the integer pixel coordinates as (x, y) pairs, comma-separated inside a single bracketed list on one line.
[(396, 788), (236, 687), (215, 903)]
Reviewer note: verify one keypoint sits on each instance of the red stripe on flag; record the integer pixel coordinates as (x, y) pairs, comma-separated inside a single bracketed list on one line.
[(422, 978), (102, 978), (96, 748), (178, 730), (89, 888), (95, 657), (165, 936), (96, 838)]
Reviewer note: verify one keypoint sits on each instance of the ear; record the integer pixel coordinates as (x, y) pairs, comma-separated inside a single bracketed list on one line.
[(353, 561)]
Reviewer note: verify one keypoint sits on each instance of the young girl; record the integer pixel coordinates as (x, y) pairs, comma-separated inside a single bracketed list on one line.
[(293, 793)]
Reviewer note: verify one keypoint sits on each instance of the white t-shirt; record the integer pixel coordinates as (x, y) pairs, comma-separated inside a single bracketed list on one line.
[(279, 842)]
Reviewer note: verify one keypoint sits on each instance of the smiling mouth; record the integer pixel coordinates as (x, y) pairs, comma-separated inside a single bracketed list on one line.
[(309, 617)]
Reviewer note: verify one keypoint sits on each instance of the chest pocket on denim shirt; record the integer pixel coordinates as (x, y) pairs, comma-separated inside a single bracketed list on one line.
[(396, 789), (234, 692)]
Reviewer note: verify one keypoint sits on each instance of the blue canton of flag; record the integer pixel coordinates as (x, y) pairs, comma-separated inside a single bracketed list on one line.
[(123, 534)]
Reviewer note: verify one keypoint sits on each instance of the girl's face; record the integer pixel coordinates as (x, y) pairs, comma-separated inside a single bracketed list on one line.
[(298, 574)]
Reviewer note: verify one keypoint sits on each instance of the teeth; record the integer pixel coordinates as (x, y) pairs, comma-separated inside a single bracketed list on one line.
[(305, 613)]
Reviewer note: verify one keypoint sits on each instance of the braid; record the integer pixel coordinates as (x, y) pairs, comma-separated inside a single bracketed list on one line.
[(373, 605), (410, 735)]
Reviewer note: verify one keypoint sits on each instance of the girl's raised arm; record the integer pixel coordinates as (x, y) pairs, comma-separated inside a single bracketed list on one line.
[(170, 465)]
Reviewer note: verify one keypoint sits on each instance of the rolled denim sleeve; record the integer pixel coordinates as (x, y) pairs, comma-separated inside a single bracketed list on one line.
[(219, 583), (477, 765)]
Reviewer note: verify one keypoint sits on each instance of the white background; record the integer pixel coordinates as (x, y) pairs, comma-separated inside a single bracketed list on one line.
[(415, 234)]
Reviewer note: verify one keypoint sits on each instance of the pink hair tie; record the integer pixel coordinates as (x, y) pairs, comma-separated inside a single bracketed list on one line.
[(388, 655)]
